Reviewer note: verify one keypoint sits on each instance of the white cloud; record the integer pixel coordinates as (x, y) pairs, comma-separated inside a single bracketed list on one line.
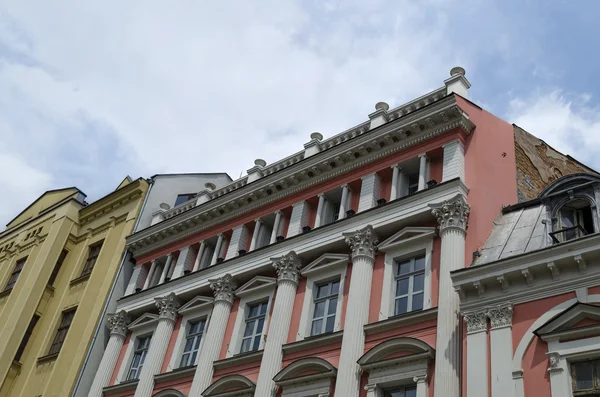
[(568, 122)]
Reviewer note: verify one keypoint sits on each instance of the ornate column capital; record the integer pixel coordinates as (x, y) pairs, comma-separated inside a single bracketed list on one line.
[(118, 322), (167, 306), (452, 214), (363, 243), (553, 362), (476, 321), (500, 316), (288, 267), (223, 288)]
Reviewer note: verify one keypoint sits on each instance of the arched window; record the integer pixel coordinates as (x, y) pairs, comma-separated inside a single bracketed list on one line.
[(574, 220)]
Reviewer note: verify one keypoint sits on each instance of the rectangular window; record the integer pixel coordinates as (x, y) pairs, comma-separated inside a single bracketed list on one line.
[(410, 283), (255, 323), (59, 262), (15, 274), (26, 337), (192, 343), (61, 332), (335, 207), (413, 183), (325, 301), (93, 253), (182, 198), (139, 356), (405, 392), (585, 376)]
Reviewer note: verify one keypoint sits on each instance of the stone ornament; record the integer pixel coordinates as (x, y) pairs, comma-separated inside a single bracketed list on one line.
[(167, 306), (288, 267), (118, 322), (363, 243), (500, 316), (421, 378), (476, 321), (223, 288), (452, 214), (553, 361)]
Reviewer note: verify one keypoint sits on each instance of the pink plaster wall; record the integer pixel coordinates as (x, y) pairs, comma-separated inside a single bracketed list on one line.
[(425, 331), (183, 385), (229, 328), (298, 302), (330, 353), (385, 187), (376, 287), (249, 370), (120, 360), (171, 347)]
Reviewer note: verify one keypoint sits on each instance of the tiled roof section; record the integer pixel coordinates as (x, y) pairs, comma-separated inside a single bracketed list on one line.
[(515, 233)]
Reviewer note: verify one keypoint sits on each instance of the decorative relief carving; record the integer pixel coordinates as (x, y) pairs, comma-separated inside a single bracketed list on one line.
[(452, 214), (288, 267), (118, 322), (167, 306), (223, 288), (500, 316), (363, 243), (476, 321), (553, 362), (421, 378)]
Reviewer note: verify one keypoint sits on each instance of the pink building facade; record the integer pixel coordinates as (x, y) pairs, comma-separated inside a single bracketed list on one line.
[(346, 270)]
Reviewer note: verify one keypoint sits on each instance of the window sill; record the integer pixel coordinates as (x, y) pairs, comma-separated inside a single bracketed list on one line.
[(401, 320), (5, 293), (79, 280), (239, 359), (328, 339), (178, 373), (47, 358), (121, 387)]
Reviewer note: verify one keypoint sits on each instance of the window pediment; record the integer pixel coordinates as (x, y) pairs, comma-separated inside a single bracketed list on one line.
[(230, 386), (144, 320), (395, 351), (569, 182), (325, 262), (579, 321), (197, 303), (305, 369), (256, 284), (406, 236)]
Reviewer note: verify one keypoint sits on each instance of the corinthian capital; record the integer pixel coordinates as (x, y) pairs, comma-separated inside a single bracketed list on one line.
[(223, 288), (476, 321), (500, 316), (167, 306), (288, 267), (118, 322), (363, 243), (452, 214)]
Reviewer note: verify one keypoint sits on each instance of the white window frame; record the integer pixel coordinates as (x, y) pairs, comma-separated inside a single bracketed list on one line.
[(327, 298), (411, 278), (248, 297), (144, 356), (316, 275), (255, 321), (193, 313), (146, 328), (397, 251)]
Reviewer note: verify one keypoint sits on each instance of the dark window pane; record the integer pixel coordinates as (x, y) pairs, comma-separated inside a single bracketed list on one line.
[(418, 282), (249, 328), (404, 267), (420, 263), (402, 287), (256, 342), (319, 309), (410, 392), (332, 306), (584, 375), (246, 345), (330, 323), (259, 327), (26, 337), (322, 291), (57, 266), (263, 308), (417, 301), (316, 327), (401, 305), (335, 288)]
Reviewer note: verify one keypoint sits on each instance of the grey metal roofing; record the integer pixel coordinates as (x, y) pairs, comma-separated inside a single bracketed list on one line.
[(515, 233)]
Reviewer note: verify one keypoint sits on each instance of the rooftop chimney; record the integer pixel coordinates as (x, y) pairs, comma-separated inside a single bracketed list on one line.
[(379, 116), (457, 82), (314, 145)]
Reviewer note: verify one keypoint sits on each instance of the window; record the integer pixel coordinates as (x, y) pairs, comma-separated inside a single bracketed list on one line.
[(192, 343), (410, 283), (413, 183), (26, 337), (574, 220), (93, 253), (182, 198), (255, 323), (59, 262), (139, 356), (61, 332), (326, 300), (15, 274), (335, 208), (586, 378), (406, 392)]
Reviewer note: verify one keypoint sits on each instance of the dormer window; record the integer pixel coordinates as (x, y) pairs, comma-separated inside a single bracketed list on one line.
[(574, 220), (182, 198)]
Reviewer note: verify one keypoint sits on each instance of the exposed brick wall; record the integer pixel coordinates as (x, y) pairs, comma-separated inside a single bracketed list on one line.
[(538, 164)]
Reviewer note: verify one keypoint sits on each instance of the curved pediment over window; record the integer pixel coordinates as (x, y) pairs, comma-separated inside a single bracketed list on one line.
[(568, 182), (395, 351), (230, 385), (169, 393), (311, 374)]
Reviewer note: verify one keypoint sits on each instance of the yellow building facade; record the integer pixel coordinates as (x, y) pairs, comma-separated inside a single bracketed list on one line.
[(58, 262)]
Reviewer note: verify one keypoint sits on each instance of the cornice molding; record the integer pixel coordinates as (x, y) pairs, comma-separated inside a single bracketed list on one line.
[(111, 202), (383, 141)]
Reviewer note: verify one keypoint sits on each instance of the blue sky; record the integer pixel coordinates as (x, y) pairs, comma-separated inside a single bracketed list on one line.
[(93, 91)]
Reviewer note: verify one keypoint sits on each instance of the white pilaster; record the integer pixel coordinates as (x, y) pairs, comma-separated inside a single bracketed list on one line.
[(477, 354), (185, 261), (452, 217), (343, 202), (501, 349), (167, 307), (288, 272), (218, 248), (138, 277), (369, 192), (198, 261), (151, 274), (422, 171), (256, 235), (213, 339), (117, 323), (166, 269), (239, 239), (276, 226), (363, 245), (299, 218), (422, 385), (394, 188), (320, 210), (454, 161), (372, 390)]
